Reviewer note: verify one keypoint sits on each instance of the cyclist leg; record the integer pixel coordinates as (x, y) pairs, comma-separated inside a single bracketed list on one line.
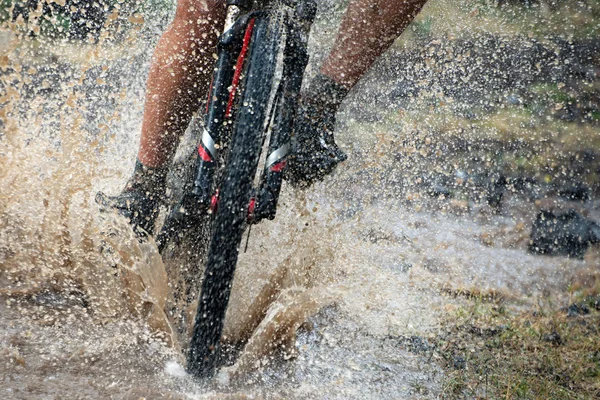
[(368, 29), (179, 77)]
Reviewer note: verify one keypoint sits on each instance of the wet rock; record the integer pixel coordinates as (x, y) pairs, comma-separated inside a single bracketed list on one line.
[(417, 344), (568, 114), (575, 310), (88, 19), (439, 190), (78, 19), (487, 332), (402, 267), (595, 302), (439, 187), (459, 362), (495, 192), (514, 99), (553, 338), (403, 89), (60, 300), (486, 64), (567, 234), (496, 188), (524, 185), (461, 176), (527, 3), (487, 239), (577, 191), (468, 114), (459, 206), (434, 265), (379, 235)]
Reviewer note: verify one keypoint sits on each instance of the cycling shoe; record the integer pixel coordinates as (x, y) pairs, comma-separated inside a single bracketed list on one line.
[(314, 151), (140, 200)]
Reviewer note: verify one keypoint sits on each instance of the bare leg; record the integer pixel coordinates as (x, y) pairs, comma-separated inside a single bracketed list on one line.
[(179, 77), (368, 28)]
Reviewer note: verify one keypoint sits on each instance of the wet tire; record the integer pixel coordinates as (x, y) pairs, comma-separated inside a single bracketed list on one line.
[(234, 198)]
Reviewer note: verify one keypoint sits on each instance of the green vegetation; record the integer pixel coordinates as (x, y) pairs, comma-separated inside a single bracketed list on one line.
[(546, 354), (541, 19), (4, 10), (512, 140)]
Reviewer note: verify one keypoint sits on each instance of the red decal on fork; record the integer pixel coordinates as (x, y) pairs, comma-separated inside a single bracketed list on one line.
[(214, 202), (239, 66), (279, 166), (203, 153), (251, 207)]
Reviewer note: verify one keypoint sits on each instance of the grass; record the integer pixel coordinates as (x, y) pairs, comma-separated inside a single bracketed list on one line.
[(453, 18), (546, 354), (515, 141)]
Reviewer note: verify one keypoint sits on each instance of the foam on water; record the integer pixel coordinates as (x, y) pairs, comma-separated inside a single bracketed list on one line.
[(175, 369)]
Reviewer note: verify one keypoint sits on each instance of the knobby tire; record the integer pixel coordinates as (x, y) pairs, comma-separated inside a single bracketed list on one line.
[(235, 192)]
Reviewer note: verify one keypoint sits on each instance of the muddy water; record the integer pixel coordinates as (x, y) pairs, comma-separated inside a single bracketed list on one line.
[(336, 298)]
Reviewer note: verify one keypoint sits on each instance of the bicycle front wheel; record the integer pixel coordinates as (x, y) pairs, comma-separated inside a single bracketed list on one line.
[(234, 195)]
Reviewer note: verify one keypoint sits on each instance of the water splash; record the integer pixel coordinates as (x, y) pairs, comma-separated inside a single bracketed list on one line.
[(340, 296)]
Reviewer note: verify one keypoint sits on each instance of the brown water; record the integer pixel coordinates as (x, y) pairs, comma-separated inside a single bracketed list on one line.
[(324, 299)]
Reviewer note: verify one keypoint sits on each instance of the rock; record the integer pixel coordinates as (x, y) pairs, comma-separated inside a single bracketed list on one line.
[(567, 234), (84, 18), (526, 3), (487, 239), (87, 19), (487, 332), (553, 337), (437, 190), (577, 191), (495, 192), (459, 362), (416, 344), (575, 310), (514, 99), (459, 206)]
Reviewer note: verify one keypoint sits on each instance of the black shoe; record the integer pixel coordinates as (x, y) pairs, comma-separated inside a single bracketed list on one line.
[(314, 151), (140, 200)]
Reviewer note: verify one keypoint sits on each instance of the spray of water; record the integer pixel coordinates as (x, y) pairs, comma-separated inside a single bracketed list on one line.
[(341, 295)]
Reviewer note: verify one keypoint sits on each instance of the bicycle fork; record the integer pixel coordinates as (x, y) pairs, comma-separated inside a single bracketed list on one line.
[(236, 41), (232, 50), (295, 60), (202, 196)]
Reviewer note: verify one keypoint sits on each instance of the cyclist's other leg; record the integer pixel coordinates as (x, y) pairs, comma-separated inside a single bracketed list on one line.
[(179, 76), (369, 27)]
